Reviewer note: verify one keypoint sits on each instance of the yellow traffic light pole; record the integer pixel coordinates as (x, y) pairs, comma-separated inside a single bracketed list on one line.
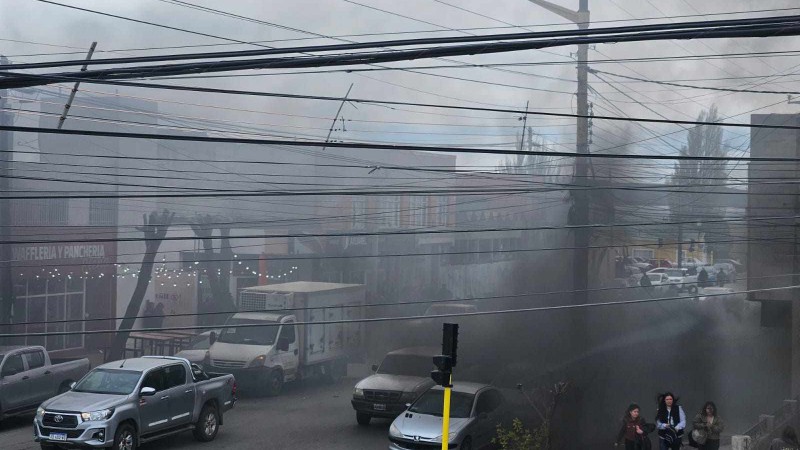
[(446, 416)]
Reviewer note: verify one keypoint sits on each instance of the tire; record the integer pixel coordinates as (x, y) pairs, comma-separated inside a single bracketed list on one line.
[(363, 418), (125, 438), (693, 289), (274, 384), (207, 426), (466, 444)]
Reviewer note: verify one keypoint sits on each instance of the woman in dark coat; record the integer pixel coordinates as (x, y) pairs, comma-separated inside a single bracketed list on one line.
[(634, 430), (709, 422)]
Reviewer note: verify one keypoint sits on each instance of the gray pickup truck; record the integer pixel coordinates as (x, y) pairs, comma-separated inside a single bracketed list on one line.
[(28, 377), (126, 403)]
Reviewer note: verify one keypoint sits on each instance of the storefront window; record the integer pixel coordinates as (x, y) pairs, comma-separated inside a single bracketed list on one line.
[(52, 300)]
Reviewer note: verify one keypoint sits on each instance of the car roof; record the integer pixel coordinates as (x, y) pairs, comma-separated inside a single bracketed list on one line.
[(139, 364), (416, 351), (466, 387)]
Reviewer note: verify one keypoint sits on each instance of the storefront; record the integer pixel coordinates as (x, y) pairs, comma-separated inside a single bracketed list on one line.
[(57, 286)]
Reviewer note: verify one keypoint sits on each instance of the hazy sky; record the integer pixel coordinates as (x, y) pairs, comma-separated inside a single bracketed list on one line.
[(48, 28)]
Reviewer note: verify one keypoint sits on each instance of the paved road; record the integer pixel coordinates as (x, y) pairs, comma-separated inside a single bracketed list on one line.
[(313, 415)]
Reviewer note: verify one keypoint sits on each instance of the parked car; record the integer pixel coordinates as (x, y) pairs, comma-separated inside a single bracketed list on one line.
[(681, 279), (736, 264), (660, 263), (127, 403), (402, 376), (659, 281), (28, 376), (197, 350), (475, 412)]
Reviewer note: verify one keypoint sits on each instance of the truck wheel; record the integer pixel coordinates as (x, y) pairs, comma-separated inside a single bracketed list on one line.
[(363, 418), (125, 437), (274, 383), (207, 426), (693, 289)]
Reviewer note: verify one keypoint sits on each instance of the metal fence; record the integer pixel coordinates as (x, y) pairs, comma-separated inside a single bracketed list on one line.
[(769, 424)]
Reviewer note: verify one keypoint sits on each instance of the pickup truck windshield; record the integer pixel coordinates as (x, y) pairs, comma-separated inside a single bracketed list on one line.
[(409, 365), (108, 381), (263, 335), (432, 402)]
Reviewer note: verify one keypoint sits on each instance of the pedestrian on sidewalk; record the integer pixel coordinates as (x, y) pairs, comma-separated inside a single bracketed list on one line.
[(707, 427), (702, 277), (670, 421), (787, 441), (722, 278), (634, 430)]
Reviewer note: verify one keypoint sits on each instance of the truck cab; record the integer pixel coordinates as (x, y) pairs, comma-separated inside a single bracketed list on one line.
[(260, 349)]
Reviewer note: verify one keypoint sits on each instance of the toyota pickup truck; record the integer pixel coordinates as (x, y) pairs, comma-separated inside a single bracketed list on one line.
[(28, 377), (127, 403)]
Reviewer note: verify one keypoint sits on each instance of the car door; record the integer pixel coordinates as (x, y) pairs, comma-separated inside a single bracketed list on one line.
[(154, 409), (15, 385), (290, 358), (41, 381), (181, 395)]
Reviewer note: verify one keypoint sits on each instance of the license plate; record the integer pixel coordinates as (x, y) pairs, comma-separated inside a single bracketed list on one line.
[(58, 436), (379, 407)]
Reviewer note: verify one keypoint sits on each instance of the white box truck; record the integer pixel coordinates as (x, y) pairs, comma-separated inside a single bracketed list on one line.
[(267, 344)]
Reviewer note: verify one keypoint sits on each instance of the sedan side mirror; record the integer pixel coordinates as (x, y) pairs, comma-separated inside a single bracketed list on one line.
[(147, 392), (212, 337), (72, 385)]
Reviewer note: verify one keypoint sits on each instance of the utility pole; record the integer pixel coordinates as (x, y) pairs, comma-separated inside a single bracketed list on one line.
[(6, 279), (580, 262)]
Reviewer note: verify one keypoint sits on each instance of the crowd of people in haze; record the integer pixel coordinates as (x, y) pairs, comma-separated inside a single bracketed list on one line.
[(671, 426)]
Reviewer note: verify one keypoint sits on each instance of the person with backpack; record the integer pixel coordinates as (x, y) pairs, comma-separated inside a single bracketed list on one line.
[(787, 441), (634, 430), (670, 422), (706, 428)]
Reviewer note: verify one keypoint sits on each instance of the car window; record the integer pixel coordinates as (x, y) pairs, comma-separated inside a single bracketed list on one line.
[(488, 401), (109, 381), (13, 365), (175, 375), (35, 359), (200, 342), (288, 332), (156, 379)]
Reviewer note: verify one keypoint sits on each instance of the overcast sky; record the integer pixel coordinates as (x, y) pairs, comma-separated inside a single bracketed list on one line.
[(48, 28)]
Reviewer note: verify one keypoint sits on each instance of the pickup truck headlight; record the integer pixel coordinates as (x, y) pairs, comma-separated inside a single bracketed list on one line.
[(258, 361), (358, 393), (103, 414), (39, 413)]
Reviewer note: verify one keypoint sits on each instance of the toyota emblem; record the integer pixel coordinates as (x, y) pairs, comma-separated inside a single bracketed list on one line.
[(58, 418)]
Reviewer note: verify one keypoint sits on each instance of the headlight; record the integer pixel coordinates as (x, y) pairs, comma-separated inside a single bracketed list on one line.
[(103, 414), (451, 438), (39, 412), (258, 361), (358, 393), (394, 431)]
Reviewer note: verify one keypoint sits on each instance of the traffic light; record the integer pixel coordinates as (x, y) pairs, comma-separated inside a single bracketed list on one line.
[(450, 341), (444, 370)]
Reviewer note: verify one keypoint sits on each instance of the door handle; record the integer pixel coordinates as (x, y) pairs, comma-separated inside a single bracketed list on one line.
[(25, 377), (188, 391), (48, 372), (165, 397)]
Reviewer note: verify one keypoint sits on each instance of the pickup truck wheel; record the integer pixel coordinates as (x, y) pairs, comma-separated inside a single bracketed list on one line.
[(207, 426), (125, 437), (693, 289), (274, 383), (363, 418)]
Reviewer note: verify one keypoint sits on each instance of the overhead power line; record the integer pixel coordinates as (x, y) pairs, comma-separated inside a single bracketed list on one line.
[(769, 27), (692, 86)]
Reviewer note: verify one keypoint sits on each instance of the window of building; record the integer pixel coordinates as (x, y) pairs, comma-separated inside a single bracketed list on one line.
[(55, 301), (418, 209), (359, 213), (102, 211), (51, 211), (390, 211)]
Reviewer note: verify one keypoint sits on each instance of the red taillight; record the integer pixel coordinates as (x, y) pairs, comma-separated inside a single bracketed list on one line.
[(233, 393)]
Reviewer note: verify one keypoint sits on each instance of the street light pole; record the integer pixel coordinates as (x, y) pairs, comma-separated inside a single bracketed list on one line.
[(6, 279), (580, 267)]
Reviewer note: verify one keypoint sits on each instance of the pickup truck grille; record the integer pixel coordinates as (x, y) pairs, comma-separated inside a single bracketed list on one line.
[(228, 363), (60, 420), (382, 396)]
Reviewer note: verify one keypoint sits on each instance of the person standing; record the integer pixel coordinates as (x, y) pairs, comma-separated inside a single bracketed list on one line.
[(670, 421), (702, 277), (709, 422), (722, 278), (787, 441), (634, 430)]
